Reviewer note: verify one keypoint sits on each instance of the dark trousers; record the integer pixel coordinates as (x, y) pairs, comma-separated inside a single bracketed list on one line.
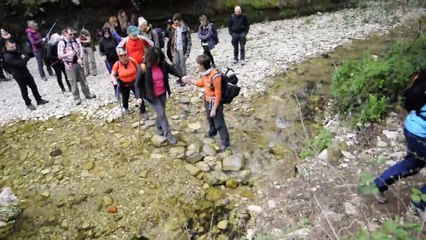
[(169, 52), (1, 72), (239, 39), (410, 165), (59, 68), (125, 95), (217, 124), (28, 82), (208, 53)]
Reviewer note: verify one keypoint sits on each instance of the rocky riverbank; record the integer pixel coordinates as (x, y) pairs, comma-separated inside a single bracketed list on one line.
[(82, 177)]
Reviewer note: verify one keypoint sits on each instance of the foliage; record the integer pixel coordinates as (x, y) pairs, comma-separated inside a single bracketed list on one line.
[(317, 144), (417, 196), (367, 88), (366, 185)]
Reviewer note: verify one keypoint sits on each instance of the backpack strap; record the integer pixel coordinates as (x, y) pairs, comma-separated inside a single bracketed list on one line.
[(216, 75)]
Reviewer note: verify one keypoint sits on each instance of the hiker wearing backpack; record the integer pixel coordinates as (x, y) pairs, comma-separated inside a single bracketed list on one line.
[(147, 31), (168, 34), (57, 64), (135, 44), (16, 64), (71, 52), (208, 36), (212, 100), (238, 28), (123, 76), (89, 56), (36, 42), (152, 84), (181, 42), (415, 136), (107, 48)]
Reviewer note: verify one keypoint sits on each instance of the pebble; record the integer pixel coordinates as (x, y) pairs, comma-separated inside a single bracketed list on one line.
[(255, 208)]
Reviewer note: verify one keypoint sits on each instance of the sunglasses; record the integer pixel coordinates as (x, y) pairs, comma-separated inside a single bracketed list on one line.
[(122, 55)]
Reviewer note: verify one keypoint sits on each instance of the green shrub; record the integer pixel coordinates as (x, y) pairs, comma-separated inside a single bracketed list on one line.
[(373, 110), (317, 144)]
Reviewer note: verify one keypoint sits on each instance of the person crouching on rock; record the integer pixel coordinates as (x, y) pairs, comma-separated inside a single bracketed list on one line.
[(123, 76), (212, 99), (16, 63), (152, 84)]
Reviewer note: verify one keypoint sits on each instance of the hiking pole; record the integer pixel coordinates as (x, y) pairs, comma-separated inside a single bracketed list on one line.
[(139, 128), (50, 30)]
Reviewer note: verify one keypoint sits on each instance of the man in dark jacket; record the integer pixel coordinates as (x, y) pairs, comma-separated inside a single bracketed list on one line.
[(16, 64), (238, 29)]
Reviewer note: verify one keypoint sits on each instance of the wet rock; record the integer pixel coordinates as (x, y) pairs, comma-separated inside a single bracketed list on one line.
[(214, 194), (231, 183), (254, 208), (88, 166), (195, 100), (233, 163), (334, 152), (203, 166), (194, 126), (222, 225), (184, 100), (177, 152), (107, 200), (194, 171), (45, 194), (158, 141), (215, 178)]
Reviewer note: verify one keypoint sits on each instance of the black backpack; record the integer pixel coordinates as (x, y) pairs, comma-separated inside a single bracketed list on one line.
[(228, 85), (215, 35), (160, 36), (415, 94)]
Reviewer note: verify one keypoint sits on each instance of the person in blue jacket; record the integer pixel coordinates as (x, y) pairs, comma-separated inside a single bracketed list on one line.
[(415, 160)]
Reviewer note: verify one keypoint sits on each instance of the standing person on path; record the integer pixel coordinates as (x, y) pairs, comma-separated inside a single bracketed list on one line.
[(36, 41), (16, 63), (152, 84), (135, 44), (4, 35), (123, 76), (415, 160), (107, 48), (57, 64), (122, 20), (168, 34), (147, 31), (89, 56), (181, 42), (238, 28), (71, 52), (212, 100), (205, 33)]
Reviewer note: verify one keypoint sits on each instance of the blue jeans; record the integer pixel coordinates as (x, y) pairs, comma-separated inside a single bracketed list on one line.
[(410, 165)]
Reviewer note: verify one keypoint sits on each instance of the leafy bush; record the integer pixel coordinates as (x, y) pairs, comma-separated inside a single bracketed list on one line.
[(368, 87), (317, 144)]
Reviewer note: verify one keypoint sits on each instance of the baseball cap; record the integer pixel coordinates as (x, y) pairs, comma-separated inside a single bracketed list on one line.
[(169, 21), (132, 30)]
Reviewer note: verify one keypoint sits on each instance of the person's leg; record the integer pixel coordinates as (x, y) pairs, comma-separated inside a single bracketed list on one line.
[(86, 61), (62, 67), (242, 40), (24, 91), (92, 61), (219, 122), (125, 94), (176, 58), (208, 53), (83, 83), (234, 42), (212, 128), (73, 74), (47, 63), (159, 106), (169, 53), (108, 66), (57, 70), (182, 62), (32, 85), (410, 165), (39, 57)]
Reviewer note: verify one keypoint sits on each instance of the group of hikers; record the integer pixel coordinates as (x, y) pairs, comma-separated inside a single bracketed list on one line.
[(133, 54)]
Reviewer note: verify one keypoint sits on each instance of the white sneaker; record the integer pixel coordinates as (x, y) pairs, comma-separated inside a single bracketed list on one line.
[(381, 198)]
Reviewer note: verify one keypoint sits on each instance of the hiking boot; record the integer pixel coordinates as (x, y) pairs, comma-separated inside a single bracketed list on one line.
[(208, 135), (31, 107), (91, 96), (418, 211), (172, 140), (381, 198), (126, 112), (243, 62), (44, 78), (78, 102), (235, 61), (145, 116), (42, 102), (224, 149)]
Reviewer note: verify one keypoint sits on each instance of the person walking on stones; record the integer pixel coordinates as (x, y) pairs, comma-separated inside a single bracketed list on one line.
[(238, 28), (212, 100), (36, 42), (135, 44), (415, 160), (152, 84), (107, 48), (57, 64), (89, 56), (71, 52), (181, 42), (123, 76), (16, 64), (205, 34)]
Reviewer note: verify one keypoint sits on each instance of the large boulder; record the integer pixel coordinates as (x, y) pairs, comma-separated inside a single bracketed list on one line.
[(9, 211)]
